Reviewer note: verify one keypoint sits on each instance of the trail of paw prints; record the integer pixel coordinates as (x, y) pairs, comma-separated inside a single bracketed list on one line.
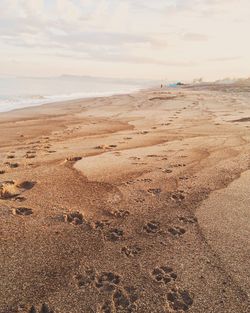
[(164, 274), (178, 300), (121, 299)]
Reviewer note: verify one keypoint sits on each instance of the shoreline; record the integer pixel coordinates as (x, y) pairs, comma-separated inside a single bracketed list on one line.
[(68, 100)]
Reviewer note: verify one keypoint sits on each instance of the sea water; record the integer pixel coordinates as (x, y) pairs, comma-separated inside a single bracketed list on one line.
[(19, 92)]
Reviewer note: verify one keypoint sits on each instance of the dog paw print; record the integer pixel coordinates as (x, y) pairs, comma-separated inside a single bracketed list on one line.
[(44, 309), (154, 191), (101, 224), (164, 274), (107, 307), (22, 211), (152, 227), (74, 218), (179, 300), (124, 299), (188, 219), (120, 213), (86, 279), (131, 251), (107, 281), (115, 234), (178, 196), (139, 200), (176, 231)]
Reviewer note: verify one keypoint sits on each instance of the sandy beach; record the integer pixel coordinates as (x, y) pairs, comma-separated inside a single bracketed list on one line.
[(129, 203)]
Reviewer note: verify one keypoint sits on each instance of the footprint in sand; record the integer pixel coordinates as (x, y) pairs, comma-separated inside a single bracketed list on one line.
[(176, 231), (30, 156), (143, 132), (2, 172), (164, 274), (131, 251), (73, 159), (154, 191), (10, 156), (51, 151), (115, 234), (145, 180), (188, 219), (22, 211), (102, 147), (123, 300), (120, 213), (177, 196), (11, 189), (86, 279), (152, 227), (19, 199), (107, 281), (166, 170), (12, 165), (101, 224), (139, 200), (179, 300), (74, 218), (44, 309)]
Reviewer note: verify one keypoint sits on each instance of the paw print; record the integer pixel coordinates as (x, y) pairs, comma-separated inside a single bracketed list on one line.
[(115, 234), (164, 274), (177, 231), (107, 281), (152, 227), (131, 251), (44, 309), (86, 279), (74, 218), (179, 300)]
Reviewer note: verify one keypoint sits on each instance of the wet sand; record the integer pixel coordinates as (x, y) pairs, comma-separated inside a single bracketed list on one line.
[(127, 204)]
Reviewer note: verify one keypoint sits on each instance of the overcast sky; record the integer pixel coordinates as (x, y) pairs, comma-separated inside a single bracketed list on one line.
[(153, 39)]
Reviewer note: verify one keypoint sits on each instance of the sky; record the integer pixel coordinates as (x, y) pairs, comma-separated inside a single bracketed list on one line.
[(145, 39)]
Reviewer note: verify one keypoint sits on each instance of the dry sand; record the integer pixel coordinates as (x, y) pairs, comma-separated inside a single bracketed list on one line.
[(129, 203)]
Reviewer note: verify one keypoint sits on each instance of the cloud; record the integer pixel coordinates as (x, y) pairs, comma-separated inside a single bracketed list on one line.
[(225, 59), (162, 34), (195, 37)]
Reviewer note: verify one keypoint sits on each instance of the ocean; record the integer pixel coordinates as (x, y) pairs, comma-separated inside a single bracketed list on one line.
[(19, 92)]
